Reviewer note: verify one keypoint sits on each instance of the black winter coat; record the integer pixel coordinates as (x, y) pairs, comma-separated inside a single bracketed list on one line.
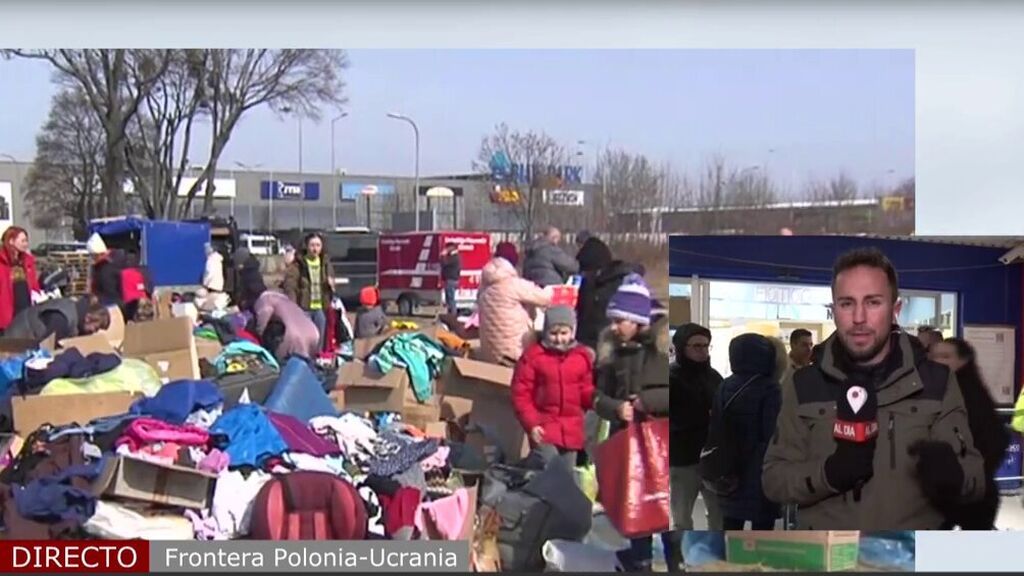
[(250, 283), (752, 417), (693, 387), (592, 302)]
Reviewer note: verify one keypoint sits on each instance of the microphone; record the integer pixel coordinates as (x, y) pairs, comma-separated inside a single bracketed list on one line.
[(857, 420)]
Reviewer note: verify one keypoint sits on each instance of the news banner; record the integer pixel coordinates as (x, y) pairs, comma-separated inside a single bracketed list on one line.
[(141, 556)]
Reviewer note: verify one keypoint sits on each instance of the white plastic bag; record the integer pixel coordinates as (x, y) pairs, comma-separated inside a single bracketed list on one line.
[(569, 556)]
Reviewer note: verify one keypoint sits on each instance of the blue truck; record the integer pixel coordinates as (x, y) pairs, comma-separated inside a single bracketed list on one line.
[(173, 252)]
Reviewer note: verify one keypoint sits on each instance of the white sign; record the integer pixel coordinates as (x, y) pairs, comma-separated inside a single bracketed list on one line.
[(6, 206), (996, 351), (222, 188), (564, 197)]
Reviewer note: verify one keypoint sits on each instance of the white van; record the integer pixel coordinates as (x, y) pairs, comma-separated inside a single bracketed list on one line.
[(261, 244)]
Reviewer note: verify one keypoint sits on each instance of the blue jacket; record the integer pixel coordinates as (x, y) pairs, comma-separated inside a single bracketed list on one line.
[(752, 416), (251, 437), (176, 400)]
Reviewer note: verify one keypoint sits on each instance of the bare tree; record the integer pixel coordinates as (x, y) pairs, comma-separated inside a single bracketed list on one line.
[(750, 188), (294, 82), (836, 189), (632, 189), (65, 180), (104, 76), (536, 153)]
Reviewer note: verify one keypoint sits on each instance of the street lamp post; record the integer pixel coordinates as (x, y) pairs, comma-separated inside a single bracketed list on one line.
[(416, 178), (334, 172)]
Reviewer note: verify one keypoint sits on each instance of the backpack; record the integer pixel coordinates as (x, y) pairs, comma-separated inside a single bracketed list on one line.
[(307, 505), (720, 463), (533, 507), (133, 285)]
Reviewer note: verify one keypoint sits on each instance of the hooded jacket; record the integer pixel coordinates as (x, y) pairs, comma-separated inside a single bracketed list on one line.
[(547, 264), (592, 301), (38, 322), (593, 255), (213, 274), (301, 337), (636, 368), (28, 262), (693, 387), (751, 418), (250, 283), (502, 303), (917, 400), (553, 389)]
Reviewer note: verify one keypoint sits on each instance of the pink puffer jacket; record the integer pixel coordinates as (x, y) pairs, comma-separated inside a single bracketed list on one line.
[(504, 304)]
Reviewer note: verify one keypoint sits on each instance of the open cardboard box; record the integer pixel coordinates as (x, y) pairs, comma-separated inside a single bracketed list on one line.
[(485, 389), (167, 345), (363, 347), (31, 412), (167, 484), (89, 344), (816, 551), (361, 388)]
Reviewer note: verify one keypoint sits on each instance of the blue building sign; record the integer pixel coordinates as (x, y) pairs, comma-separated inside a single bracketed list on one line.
[(503, 170), (279, 190), (355, 190)]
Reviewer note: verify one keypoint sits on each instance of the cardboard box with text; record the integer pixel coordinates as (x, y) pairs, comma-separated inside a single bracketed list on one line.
[(814, 551)]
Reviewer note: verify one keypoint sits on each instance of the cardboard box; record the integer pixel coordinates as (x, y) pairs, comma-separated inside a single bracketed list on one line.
[(115, 332), (135, 479), (88, 344), (208, 349), (437, 430), (31, 412), (488, 389), (422, 415), (814, 551), (15, 346), (367, 390), (166, 345), (363, 347)]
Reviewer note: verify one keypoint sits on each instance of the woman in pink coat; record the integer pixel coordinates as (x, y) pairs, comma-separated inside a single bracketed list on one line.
[(504, 304), (300, 338)]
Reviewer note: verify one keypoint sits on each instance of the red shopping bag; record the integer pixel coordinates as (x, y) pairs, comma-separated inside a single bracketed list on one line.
[(633, 478), (564, 296)]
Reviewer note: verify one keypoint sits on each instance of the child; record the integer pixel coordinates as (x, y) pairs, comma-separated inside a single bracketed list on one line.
[(632, 378), (370, 320), (553, 386)]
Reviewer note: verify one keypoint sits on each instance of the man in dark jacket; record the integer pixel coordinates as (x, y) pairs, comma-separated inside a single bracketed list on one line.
[(921, 465), (693, 384), (751, 421), (451, 271), (250, 285), (62, 317), (602, 275), (546, 263)]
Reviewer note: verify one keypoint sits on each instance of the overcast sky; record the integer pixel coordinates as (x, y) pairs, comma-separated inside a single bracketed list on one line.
[(800, 114)]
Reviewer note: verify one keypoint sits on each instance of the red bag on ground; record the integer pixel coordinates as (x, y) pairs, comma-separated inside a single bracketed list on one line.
[(633, 478)]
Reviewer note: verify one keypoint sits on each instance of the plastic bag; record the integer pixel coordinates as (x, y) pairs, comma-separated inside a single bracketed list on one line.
[(633, 476), (569, 556), (894, 550), (703, 547)]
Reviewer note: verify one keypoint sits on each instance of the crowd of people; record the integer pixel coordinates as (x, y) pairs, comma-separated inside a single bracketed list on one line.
[(606, 356), (872, 429)]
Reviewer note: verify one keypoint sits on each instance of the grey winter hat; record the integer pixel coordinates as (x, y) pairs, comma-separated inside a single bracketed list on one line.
[(559, 316)]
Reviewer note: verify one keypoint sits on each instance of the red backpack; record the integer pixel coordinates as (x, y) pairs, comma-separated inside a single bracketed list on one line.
[(308, 506), (133, 285)]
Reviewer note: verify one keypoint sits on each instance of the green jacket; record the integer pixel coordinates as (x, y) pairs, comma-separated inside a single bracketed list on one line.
[(919, 400)]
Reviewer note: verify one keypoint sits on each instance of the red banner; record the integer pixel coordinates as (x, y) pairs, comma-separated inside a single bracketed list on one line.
[(116, 556)]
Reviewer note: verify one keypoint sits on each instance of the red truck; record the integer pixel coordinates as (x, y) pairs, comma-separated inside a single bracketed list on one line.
[(409, 267)]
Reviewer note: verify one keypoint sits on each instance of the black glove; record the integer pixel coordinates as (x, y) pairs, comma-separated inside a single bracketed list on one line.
[(851, 465), (938, 472)]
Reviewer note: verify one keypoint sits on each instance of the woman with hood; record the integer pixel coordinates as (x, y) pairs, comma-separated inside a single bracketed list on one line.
[(602, 275), (504, 303), (987, 429), (693, 384), (754, 398)]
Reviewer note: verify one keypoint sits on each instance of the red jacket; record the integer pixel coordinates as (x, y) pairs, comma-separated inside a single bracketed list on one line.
[(554, 390), (7, 284)]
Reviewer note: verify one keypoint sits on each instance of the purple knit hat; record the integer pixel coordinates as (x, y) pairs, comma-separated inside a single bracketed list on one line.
[(632, 301)]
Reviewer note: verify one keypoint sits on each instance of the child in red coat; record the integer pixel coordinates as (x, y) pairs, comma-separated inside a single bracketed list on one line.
[(553, 386)]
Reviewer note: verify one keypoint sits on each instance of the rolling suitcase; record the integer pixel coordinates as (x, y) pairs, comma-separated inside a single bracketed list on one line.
[(259, 384)]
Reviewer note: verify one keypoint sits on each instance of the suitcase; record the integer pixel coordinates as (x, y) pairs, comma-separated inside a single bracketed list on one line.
[(260, 384)]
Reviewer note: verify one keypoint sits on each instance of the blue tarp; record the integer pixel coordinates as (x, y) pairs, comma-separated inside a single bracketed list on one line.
[(173, 251)]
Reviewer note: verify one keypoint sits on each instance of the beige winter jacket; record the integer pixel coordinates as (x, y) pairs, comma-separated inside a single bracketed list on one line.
[(505, 302)]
